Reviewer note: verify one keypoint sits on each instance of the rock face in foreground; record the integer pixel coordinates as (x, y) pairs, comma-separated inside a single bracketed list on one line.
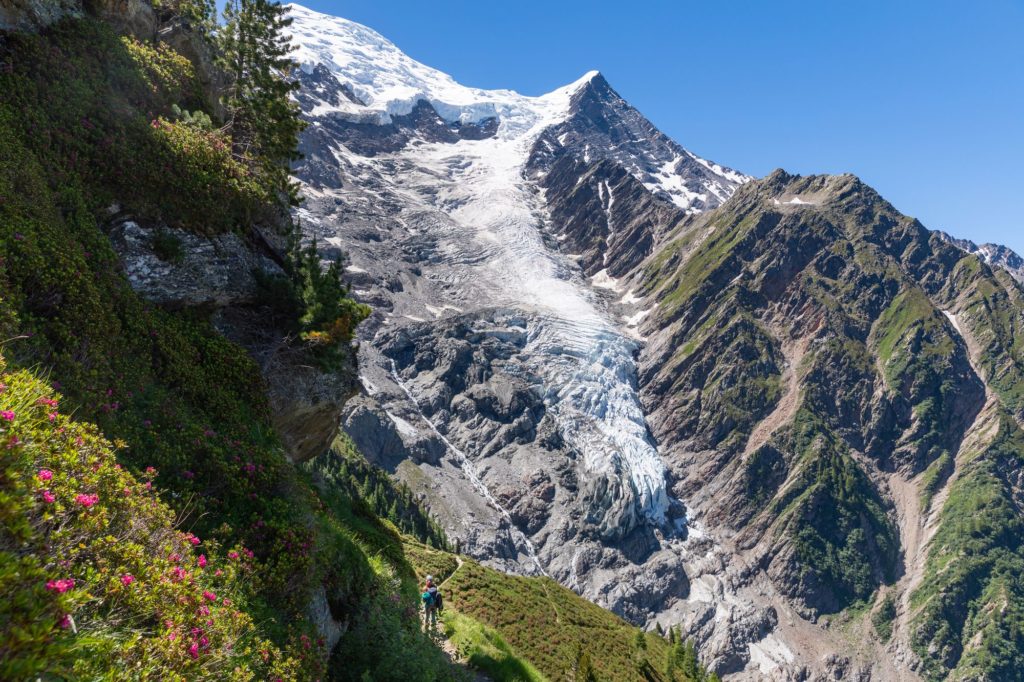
[(134, 16), (220, 276)]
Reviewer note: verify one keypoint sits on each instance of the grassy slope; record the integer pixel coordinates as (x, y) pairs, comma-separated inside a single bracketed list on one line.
[(541, 623)]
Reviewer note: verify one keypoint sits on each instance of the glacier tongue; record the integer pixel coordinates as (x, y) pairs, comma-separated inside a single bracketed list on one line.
[(444, 225), (586, 362)]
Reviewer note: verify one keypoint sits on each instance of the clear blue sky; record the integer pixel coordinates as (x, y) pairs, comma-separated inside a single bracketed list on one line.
[(924, 100)]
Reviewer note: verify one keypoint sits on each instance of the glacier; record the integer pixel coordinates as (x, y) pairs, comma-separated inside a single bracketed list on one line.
[(495, 240)]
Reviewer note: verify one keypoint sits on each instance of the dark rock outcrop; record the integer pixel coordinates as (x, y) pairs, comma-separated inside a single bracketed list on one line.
[(219, 275)]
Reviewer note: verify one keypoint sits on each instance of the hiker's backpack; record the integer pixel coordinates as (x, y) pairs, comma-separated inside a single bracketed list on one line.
[(428, 600), (435, 597)]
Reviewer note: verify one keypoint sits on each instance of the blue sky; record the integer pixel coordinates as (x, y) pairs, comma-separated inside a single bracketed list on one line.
[(922, 100)]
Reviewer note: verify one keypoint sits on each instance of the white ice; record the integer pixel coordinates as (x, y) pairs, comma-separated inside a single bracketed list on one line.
[(585, 363)]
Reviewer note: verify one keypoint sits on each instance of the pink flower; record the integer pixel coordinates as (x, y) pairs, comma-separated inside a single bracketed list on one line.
[(233, 555), (193, 539), (172, 636), (60, 586), (202, 561), (47, 496), (150, 471), (204, 610), (65, 622), (52, 416), (127, 579), (178, 573), (210, 596), (87, 500), (204, 642), (7, 414), (193, 650), (45, 474), (49, 402)]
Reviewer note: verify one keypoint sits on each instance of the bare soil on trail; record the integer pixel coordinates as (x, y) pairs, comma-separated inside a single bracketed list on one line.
[(460, 666)]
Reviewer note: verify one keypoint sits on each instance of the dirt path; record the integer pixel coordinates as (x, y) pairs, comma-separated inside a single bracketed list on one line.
[(459, 664), (458, 565)]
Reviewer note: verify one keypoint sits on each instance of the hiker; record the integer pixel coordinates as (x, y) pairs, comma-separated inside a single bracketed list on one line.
[(432, 603)]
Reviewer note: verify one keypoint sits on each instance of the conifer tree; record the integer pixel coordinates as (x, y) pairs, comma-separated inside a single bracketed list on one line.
[(263, 120)]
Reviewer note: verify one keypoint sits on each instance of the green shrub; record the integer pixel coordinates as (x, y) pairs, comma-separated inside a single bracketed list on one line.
[(95, 580), (484, 649), (883, 617), (167, 247)]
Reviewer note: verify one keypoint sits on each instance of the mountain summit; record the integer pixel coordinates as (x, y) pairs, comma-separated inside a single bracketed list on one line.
[(744, 407)]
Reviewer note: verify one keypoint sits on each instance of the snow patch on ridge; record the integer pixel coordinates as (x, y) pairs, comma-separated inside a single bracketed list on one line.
[(388, 82)]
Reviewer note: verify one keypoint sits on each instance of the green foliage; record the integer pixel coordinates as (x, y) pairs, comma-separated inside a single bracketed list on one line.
[(841, 532), (544, 623), (345, 469), (329, 316), (969, 614), (95, 581), (254, 50), (81, 128), (92, 108), (429, 561), (315, 304), (584, 671), (195, 119), (933, 478), (384, 641), (484, 649), (681, 663), (883, 617), (167, 246)]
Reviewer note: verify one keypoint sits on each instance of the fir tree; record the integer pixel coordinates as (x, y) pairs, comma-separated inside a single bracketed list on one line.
[(263, 120)]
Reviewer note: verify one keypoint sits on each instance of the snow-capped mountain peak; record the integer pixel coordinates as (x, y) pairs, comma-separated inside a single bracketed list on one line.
[(387, 82)]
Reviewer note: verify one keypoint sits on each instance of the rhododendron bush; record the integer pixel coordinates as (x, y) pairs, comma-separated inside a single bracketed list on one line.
[(94, 579)]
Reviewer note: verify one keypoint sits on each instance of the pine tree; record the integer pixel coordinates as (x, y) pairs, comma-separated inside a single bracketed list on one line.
[(263, 120), (688, 663)]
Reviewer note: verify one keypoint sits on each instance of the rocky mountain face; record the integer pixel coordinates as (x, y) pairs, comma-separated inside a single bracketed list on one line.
[(993, 254), (776, 412)]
